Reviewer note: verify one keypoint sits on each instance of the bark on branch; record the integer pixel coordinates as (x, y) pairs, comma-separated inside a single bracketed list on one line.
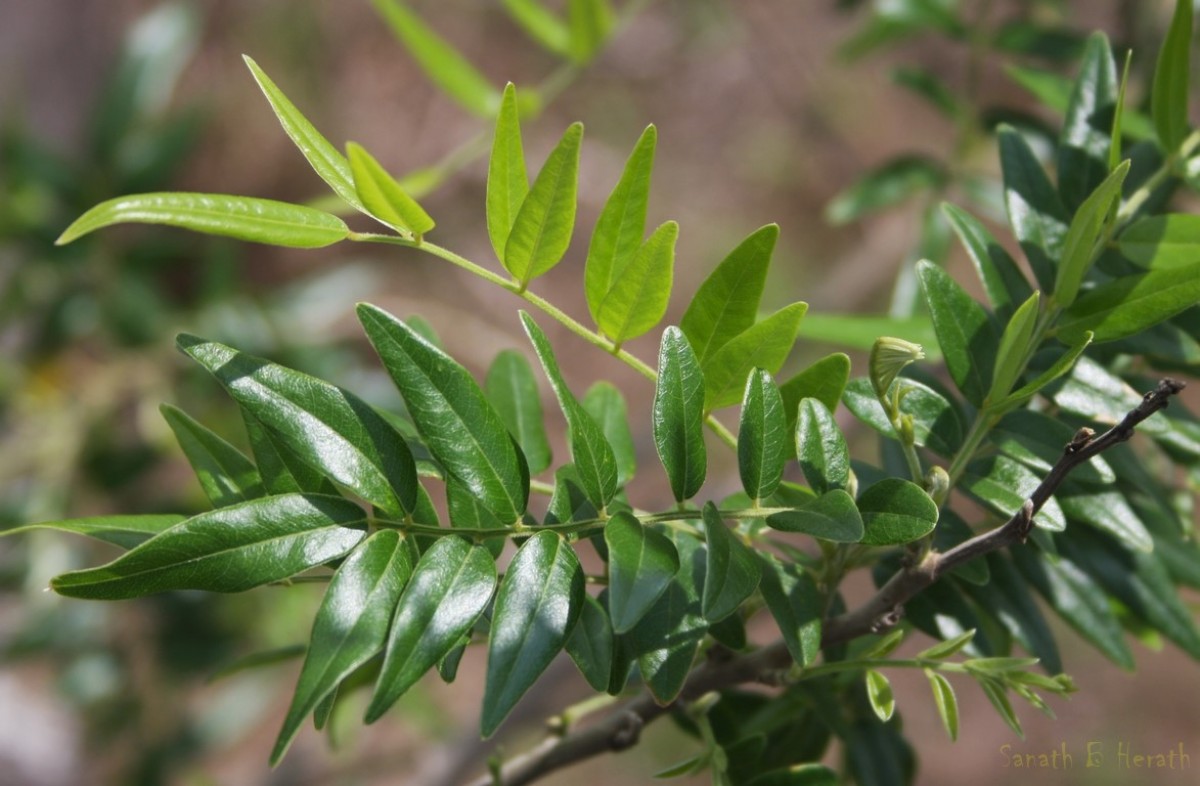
[(621, 728)]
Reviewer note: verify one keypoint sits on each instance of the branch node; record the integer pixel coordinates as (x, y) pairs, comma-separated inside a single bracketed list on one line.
[(1023, 521), (626, 734), (888, 620), (1081, 439)]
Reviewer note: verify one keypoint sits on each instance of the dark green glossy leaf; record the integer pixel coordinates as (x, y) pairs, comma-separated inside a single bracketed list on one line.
[(1014, 348), (1037, 441), (762, 437), (1169, 101), (1061, 365), (824, 380), (641, 564), (324, 158), (594, 460), (1087, 229), (536, 607), (638, 296), (226, 475), (1038, 218), (888, 184), (1008, 597), (1076, 597), (1003, 485), (896, 511), (832, 516), (1141, 582), (351, 625), (450, 587), (765, 345), (936, 422), (281, 470), (569, 502), (591, 644), (964, 331), (440, 61), (679, 415), (1130, 304), (512, 391), (541, 230), (665, 642), (329, 428), (382, 196), (1159, 242), (245, 218), (879, 693), (726, 305), (821, 448), (621, 225), (1002, 279), (731, 572), (228, 550), (1083, 143), (1108, 511), (604, 402), (123, 531), (459, 427), (507, 181), (796, 604)]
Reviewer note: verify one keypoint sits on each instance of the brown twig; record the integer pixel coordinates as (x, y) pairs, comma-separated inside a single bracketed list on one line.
[(621, 729)]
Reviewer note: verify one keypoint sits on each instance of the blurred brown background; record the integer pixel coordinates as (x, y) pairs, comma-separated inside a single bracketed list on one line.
[(759, 121)]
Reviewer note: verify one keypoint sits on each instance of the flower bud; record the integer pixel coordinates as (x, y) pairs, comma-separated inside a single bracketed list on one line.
[(889, 356)]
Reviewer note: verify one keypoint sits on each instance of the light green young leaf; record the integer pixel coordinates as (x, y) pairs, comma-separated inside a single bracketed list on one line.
[(541, 24), (604, 402), (796, 604), (512, 391), (507, 181), (879, 693), (228, 550), (1003, 281), (896, 511), (450, 587), (1060, 367), (1160, 242), (1128, 305), (1083, 143), (245, 218), (964, 331), (639, 294), (541, 230), (726, 305), (821, 448), (946, 702), (764, 345), (1035, 212), (595, 463), (1169, 99), (440, 61), (1014, 348), (589, 23), (679, 415), (731, 572), (1081, 245), (351, 625), (324, 158), (459, 427), (762, 437), (225, 474), (945, 649), (1115, 136), (892, 182), (621, 225), (328, 428), (537, 605), (996, 695), (641, 564), (123, 531), (831, 516), (383, 197)]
